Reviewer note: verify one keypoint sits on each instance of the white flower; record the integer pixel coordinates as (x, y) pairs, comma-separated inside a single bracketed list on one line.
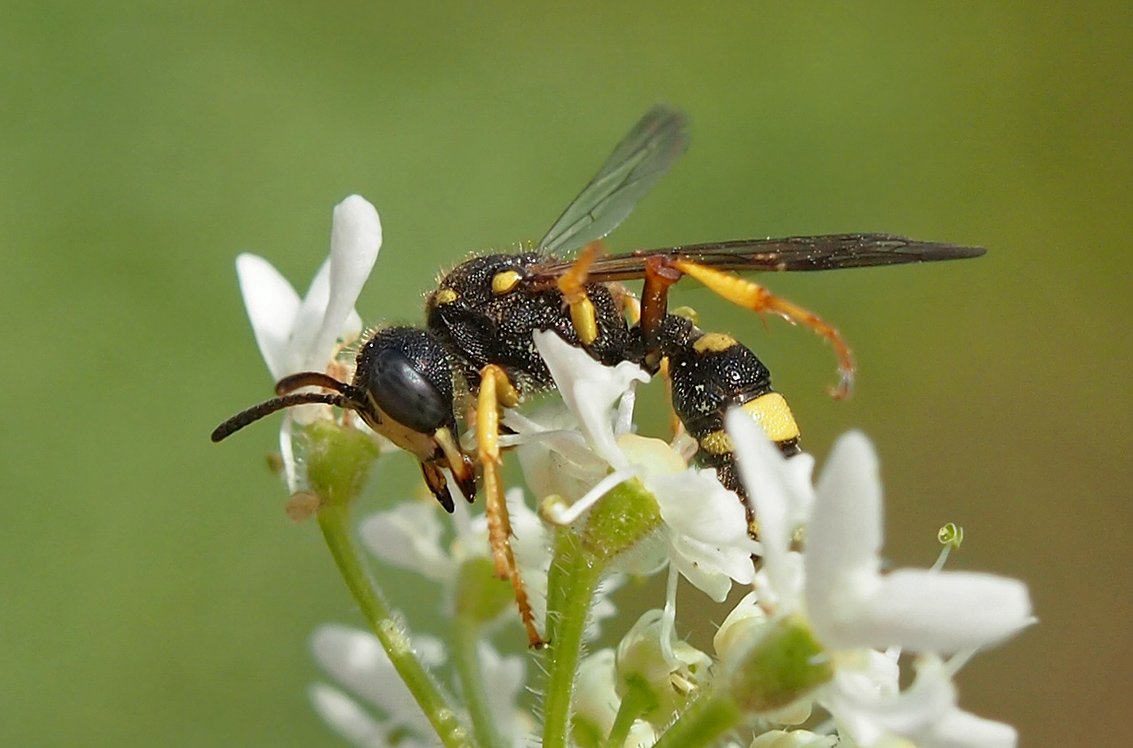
[(296, 334), (412, 536), (379, 711), (672, 671), (356, 660), (837, 585), (847, 600), (925, 714), (705, 530)]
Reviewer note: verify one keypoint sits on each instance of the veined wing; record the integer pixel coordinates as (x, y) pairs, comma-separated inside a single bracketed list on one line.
[(795, 253), (640, 159)]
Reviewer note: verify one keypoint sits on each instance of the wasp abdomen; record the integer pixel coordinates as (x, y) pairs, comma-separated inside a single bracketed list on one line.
[(712, 373)]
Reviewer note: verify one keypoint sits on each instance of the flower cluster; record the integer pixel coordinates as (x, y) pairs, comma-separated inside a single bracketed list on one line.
[(817, 642)]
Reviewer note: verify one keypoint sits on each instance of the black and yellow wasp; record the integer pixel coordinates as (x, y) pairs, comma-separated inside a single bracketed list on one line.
[(481, 318)]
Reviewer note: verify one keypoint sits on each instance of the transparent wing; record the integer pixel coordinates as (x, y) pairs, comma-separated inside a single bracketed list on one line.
[(639, 160)]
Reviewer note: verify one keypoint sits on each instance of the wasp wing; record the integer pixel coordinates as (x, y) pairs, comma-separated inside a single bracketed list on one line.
[(639, 160), (795, 253)]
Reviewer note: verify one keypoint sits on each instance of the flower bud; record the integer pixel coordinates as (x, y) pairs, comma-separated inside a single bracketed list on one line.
[(671, 674), (338, 460)]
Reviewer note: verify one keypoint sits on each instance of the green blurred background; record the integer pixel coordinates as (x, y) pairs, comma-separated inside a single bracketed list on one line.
[(154, 593)]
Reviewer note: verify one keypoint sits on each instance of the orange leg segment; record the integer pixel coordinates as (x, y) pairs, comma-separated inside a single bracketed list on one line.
[(757, 298), (496, 392), (573, 287)]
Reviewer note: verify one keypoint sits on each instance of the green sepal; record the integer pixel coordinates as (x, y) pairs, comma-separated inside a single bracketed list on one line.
[(783, 665), (338, 460), (623, 518)]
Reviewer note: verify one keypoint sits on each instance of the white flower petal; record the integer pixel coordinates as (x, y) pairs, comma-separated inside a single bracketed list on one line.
[(929, 611), (554, 456), (845, 532), (779, 490), (925, 714), (355, 239), (356, 659), (272, 304), (505, 679), (409, 536), (960, 729), (308, 321), (852, 605), (695, 504), (704, 567), (595, 699), (844, 538), (591, 391), (346, 717)]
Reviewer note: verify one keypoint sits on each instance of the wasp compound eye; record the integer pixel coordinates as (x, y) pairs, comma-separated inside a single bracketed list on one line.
[(404, 393)]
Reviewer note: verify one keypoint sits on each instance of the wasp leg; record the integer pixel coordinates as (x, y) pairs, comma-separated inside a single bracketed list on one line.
[(572, 284), (676, 428), (496, 392), (627, 304), (753, 296), (654, 308)]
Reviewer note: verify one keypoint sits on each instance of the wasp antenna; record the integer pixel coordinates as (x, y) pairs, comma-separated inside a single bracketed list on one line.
[(256, 412), (293, 382)]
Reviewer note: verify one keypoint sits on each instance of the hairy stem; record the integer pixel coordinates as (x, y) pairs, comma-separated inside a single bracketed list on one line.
[(466, 654), (571, 585), (335, 525)]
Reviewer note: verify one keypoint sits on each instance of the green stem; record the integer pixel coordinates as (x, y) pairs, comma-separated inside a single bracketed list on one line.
[(334, 522), (705, 720), (638, 699), (465, 648), (576, 574)]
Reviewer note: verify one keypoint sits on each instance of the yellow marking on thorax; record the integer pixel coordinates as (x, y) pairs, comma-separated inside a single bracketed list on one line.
[(445, 296), (505, 281), (713, 342)]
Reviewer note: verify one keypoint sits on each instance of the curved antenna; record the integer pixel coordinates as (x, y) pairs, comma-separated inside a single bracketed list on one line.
[(292, 382), (256, 412)]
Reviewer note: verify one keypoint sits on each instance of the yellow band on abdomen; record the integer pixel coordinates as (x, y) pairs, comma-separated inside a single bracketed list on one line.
[(774, 416)]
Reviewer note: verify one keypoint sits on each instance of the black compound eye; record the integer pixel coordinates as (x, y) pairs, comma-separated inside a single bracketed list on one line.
[(405, 394)]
